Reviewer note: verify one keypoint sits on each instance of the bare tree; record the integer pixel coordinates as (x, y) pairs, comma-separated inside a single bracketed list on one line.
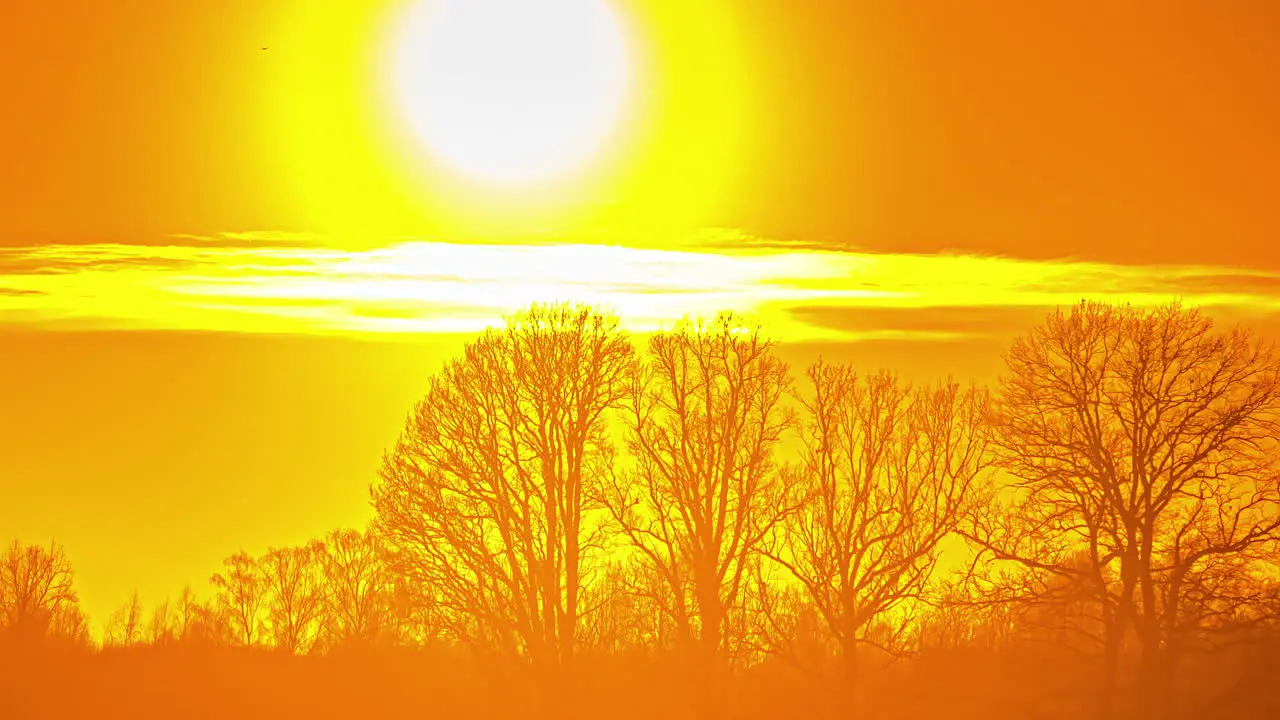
[(705, 416), (889, 472), (160, 626), (212, 625), (295, 595), (1144, 440), (357, 589), (240, 592), (36, 594), (185, 614), (623, 613), (125, 628), (785, 625), (416, 624), (484, 502), (71, 625)]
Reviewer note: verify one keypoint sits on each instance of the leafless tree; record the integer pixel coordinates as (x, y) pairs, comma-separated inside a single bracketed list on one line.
[(125, 628), (705, 416), (160, 628), (357, 589), (484, 502), (416, 624), (36, 593), (185, 613), (623, 613), (71, 625), (888, 472), (784, 627), (212, 625), (1144, 440), (240, 589), (295, 595)]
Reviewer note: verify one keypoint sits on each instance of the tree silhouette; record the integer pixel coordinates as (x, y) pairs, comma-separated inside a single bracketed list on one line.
[(484, 502), (186, 614), (356, 589), (565, 521), (240, 592), (36, 594), (623, 613), (295, 595), (160, 628), (125, 628), (1146, 441), (704, 418), (889, 473)]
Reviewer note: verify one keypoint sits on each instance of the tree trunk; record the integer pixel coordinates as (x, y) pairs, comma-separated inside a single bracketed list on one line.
[(710, 704), (568, 681), (1113, 641), (846, 684), (1154, 681), (1150, 693)]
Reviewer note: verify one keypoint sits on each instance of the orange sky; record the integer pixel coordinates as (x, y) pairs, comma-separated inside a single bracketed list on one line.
[(224, 278)]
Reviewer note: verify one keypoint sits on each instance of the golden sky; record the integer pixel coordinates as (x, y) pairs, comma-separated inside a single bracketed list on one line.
[(226, 272)]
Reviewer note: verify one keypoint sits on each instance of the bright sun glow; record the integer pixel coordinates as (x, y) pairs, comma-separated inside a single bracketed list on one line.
[(512, 90)]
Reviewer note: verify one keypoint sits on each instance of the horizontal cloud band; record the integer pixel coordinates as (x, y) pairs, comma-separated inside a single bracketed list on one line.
[(274, 282)]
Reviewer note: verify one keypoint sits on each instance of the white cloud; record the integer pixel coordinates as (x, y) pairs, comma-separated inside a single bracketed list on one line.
[(427, 287)]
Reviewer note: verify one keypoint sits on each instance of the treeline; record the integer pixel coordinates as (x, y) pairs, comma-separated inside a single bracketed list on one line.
[(1096, 535), (313, 598)]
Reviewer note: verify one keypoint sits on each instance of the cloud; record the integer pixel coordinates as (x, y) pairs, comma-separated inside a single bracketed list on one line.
[(251, 238), (19, 292), (72, 259), (940, 322), (280, 284)]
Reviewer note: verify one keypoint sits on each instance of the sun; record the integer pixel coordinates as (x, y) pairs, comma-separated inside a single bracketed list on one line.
[(512, 91), (492, 119)]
